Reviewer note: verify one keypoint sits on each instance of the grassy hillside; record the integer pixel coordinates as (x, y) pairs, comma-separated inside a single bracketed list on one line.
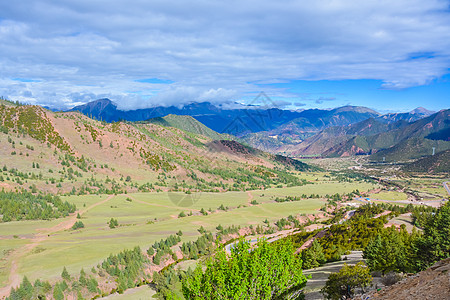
[(71, 153), (438, 163), (188, 124)]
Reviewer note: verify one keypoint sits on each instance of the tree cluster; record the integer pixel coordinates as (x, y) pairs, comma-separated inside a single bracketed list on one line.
[(28, 206), (264, 272)]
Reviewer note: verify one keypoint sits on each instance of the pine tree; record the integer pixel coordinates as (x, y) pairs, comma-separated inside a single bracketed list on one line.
[(314, 256), (65, 275), (58, 293)]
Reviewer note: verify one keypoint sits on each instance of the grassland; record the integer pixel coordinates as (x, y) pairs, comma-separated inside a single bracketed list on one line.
[(390, 195), (148, 217), (141, 293)]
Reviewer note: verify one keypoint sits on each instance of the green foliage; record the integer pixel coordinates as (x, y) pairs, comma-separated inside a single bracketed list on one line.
[(342, 285), (32, 120), (434, 245), (58, 293), (353, 234), (313, 257), (394, 250), (27, 206), (78, 225), (65, 275), (168, 283), (92, 285), (125, 267), (201, 246), (24, 292), (113, 223), (266, 272), (391, 250)]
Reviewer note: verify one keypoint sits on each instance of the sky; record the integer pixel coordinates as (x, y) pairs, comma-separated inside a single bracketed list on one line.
[(385, 55)]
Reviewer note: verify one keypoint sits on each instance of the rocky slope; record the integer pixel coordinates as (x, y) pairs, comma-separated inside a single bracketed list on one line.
[(432, 284)]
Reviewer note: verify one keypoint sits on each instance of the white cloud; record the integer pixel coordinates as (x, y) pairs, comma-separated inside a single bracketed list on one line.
[(213, 51)]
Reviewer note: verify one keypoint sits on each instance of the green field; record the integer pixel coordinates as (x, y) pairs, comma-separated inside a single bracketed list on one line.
[(145, 218), (140, 293), (390, 195)]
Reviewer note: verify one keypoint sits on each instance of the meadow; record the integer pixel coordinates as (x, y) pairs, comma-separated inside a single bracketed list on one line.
[(145, 218)]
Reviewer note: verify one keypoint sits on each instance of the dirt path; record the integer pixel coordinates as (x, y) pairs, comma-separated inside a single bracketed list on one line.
[(250, 197), (41, 235)]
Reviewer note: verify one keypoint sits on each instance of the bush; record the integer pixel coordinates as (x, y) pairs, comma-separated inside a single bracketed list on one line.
[(342, 284), (78, 225), (113, 223), (391, 278)]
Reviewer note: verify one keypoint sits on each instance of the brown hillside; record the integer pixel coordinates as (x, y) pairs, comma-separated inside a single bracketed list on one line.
[(433, 283)]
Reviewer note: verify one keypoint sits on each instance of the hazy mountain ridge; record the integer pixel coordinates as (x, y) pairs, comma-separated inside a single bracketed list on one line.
[(238, 121), (385, 141)]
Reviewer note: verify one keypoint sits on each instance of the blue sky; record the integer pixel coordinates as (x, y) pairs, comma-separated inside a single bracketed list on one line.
[(386, 55), (366, 92)]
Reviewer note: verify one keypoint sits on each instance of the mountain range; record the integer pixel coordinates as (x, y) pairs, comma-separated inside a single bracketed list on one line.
[(343, 131), (72, 153), (239, 121), (384, 141)]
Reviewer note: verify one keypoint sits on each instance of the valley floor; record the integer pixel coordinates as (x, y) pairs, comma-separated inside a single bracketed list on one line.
[(40, 249)]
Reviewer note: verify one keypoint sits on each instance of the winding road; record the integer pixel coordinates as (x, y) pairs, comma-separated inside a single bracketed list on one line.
[(446, 186)]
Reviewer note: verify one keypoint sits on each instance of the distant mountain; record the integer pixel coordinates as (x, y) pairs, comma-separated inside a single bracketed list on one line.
[(316, 119), (308, 123), (347, 138), (413, 140), (414, 115), (233, 121), (422, 111), (385, 141), (342, 131), (239, 121)]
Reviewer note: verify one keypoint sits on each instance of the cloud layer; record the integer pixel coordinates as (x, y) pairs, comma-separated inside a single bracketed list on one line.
[(62, 53)]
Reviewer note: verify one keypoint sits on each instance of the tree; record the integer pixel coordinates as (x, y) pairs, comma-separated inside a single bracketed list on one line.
[(77, 225), (434, 245), (389, 251), (314, 256), (65, 275), (113, 223), (265, 272), (342, 284), (58, 293)]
